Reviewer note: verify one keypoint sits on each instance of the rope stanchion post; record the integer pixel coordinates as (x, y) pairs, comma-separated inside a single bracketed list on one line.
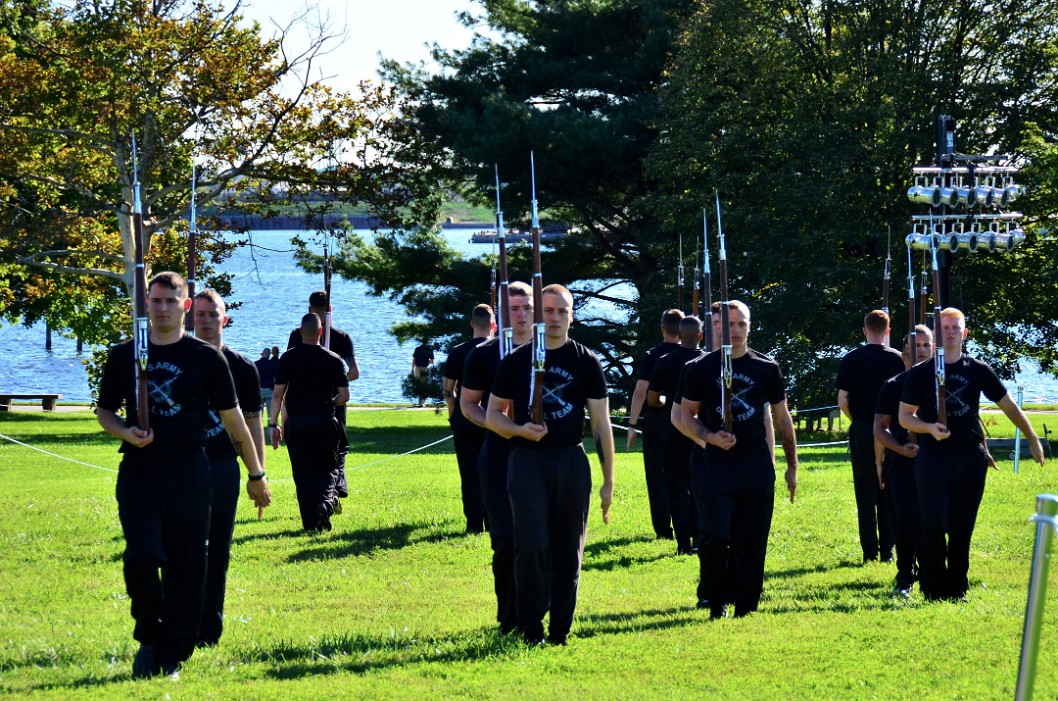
[(1046, 527)]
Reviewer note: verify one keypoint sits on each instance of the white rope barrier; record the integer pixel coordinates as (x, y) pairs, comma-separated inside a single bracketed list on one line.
[(56, 455)]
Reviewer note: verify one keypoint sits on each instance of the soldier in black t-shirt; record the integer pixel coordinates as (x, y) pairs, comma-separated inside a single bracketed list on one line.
[(164, 482), (641, 414), (951, 463), (210, 317), (478, 375), (467, 437), (860, 375), (310, 382), (739, 480), (894, 455), (341, 344), (549, 479), (676, 447)]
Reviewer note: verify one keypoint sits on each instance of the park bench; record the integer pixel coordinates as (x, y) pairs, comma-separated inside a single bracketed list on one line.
[(47, 399)]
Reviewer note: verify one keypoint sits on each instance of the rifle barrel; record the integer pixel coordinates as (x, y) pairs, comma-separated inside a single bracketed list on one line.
[(942, 389), (707, 283), (503, 310), (727, 371), (192, 255)]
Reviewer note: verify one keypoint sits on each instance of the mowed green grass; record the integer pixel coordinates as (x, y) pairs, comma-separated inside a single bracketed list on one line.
[(395, 603)]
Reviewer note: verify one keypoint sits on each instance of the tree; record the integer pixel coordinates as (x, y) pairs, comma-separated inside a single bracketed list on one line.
[(195, 85), (576, 84), (808, 117)]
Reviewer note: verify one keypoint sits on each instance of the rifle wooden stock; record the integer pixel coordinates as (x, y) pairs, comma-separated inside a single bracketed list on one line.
[(141, 328), (727, 373), (539, 356)]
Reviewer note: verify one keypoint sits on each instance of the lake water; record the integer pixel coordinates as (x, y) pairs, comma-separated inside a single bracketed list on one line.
[(275, 293)]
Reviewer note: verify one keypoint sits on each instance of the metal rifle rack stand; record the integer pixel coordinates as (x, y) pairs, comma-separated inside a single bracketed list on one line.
[(1046, 532)]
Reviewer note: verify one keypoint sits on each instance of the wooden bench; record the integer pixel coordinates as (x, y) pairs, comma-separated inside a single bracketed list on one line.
[(47, 400)]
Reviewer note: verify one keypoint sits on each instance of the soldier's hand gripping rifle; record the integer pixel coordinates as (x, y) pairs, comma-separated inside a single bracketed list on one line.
[(938, 356), (707, 283), (503, 311), (539, 372), (192, 255), (141, 330), (727, 374)]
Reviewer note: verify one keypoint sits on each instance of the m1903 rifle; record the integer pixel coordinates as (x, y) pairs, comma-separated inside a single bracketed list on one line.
[(539, 371), (680, 279), (912, 334), (503, 311), (727, 373), (192, 255), (888, 271), (938, 356), (141, 329), (923, 289), (327, 293), (707, 284)]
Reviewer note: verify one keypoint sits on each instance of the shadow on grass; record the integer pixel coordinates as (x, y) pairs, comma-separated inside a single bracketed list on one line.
[(364, 541), (600, 555)]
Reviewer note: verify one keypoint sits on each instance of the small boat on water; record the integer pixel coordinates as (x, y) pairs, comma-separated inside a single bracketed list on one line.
[(517, 236)]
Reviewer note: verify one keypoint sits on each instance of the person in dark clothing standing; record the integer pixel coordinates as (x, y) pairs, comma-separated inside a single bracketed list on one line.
[(894, 459), (421, 360), (210, 317), (467, 436), (164, 485), (549, 478), (675, 446), (266, 370), (641, 414), (340, 344), (860, 375), (310, 382), (738, 485), (951, 463), (478, 376)]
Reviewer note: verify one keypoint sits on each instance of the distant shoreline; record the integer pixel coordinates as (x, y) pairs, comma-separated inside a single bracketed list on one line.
[(259, 223)]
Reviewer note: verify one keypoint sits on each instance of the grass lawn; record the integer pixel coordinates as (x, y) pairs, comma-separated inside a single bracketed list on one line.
[(395, 603)]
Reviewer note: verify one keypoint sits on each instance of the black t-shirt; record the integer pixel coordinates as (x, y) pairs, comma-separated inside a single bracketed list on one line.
[(573, 375), (479, 371), (669, 369), (650, 359), (965, 380), (266, 370), (422, 355), (312, 374), (756, 381), (455, 364), (889, 405), (185, 381), (862, 372), (341, 344), (247, 389)]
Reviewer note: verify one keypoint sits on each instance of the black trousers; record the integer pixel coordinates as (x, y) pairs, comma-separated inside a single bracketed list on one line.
[(314, 445), (164, 508), (902, 494), (872, 512), (492, 471), (682, 508), (467, 439), (550, 490), (342, 487), (654, 466), (738, 499), (226, 483), (951, 484)]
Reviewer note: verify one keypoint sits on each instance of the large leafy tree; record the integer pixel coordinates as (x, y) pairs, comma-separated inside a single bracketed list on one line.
[(195, 84), (808, 117), (575, 83)]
